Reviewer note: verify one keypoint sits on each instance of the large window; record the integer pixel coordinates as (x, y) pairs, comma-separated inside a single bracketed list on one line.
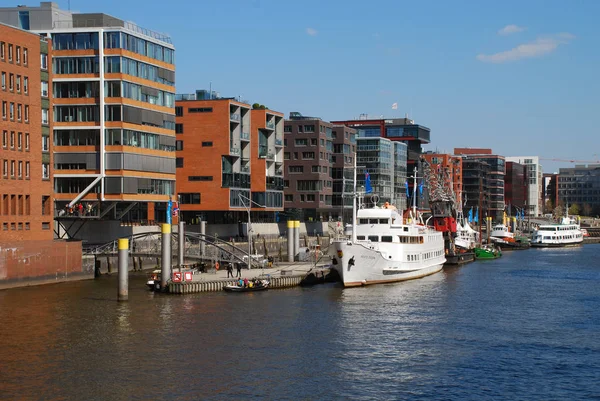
[(76, 65), (116, 64), (72, 41), (115, 40), (189, 198), (76, 113), (76, 137), (70, 90)]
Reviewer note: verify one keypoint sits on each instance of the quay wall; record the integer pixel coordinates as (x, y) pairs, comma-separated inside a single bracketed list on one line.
[(33, 262)]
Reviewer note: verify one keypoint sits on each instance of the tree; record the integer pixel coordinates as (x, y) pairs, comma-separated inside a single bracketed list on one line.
[(587, 209), (574, 209), (549, 206), (558, 212)]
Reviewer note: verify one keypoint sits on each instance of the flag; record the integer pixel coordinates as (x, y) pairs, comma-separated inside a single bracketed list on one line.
[(395, 106), (421, 187), (368, 187), (476, 218), (169, 210), (407, 192), (176, 209), (470, 215)]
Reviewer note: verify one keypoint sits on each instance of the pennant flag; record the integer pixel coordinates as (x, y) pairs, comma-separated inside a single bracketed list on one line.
[(407, 191), (421, 187), (476, 218), (470, 215), (395, 106), (368, 187), (169, 210)]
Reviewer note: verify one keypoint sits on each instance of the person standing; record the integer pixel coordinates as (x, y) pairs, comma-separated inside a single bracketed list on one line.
[(238, 269), (229, 270)]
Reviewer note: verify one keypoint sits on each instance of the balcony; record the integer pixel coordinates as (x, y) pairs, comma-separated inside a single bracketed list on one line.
[(235, 117), (278, 142), (245, 136), (234, 151), (279, 172), (270, 125), (246, 169), (270, 156)]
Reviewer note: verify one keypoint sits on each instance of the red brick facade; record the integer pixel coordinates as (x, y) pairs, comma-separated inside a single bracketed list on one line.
[(25, 195)]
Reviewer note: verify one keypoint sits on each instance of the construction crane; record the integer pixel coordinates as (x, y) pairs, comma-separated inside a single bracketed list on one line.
[(571, 160)]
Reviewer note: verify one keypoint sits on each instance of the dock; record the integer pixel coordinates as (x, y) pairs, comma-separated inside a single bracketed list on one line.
[(282, 276)]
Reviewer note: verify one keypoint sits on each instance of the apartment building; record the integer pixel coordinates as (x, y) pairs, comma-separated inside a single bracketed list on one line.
[(516, 185), (229, 160), (535, 186), (25, 183), (113, 111), (319, 160), (496, 170)]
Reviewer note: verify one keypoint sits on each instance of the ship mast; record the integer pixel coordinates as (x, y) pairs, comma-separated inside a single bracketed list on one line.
[(414, 207), (354, 199)]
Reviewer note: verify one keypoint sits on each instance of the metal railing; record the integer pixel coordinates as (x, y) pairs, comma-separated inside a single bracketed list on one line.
[(278, 142), (235, 117), (270, 124), (234, 151), (245, 135)]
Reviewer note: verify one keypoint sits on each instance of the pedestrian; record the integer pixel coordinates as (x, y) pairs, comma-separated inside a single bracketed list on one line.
[(238, 269), (229, 270), (80, 209)]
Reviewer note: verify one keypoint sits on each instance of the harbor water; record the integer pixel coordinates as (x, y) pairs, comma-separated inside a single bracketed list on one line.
[(525, 326)]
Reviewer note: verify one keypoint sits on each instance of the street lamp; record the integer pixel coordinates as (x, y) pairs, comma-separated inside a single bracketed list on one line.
[(250, 202)]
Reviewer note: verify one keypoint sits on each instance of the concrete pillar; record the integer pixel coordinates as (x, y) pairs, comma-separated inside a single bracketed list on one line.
[(97, 266), (181, 250), (203, 232), (123, 294), (165, 266), (296, 238), (290, 240)]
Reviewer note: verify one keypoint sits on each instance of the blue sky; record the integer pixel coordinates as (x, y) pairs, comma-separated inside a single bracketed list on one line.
[(520, 77)]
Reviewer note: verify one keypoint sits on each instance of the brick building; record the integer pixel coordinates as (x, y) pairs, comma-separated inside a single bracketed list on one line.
[(27, 249), (227, 155), (516, 187), (319, 159)]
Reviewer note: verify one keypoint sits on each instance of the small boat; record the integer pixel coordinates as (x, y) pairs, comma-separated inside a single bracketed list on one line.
[(486, 252), (154, 280), (262, 285)]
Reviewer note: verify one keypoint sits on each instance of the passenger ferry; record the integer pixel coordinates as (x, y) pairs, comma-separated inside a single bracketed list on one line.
[(384, 248), (567, 233)]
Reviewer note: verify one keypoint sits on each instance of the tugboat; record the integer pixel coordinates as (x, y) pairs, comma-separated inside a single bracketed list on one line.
[(487, 252)]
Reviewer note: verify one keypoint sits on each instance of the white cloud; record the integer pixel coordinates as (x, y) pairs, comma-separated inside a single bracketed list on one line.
[(510, 29), (311, 31), (539, 47)]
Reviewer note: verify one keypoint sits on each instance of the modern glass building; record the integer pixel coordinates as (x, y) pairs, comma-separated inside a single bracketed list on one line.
[(113, 91), (580, 186)]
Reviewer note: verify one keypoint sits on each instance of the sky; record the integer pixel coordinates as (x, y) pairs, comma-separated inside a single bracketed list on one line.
[(520, 77)]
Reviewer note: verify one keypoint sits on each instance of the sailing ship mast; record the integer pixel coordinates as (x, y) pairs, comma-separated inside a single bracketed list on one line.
[(354, 199)]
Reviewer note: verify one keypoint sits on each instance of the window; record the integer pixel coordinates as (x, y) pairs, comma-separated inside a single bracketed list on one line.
[(178, 145), (4, 111), (20, 140), (189, 198), (200, 178), (12, 168), (10, 52), (179, 162), (4, 139), (26, 85), (27, 170), (179, 128), (5, 169), (25, 56), (44, 116), (287, 128), (18, 54), (12, 139), (200, 110), (301, 142), (45, 171), (19, 112), (308, 155), (26, 141), (11, 82), (12, 112), (179, 111), (296, 169), (207, 144), (3, 80), (44, 88), (18, 84), (2, 50), (44, 61), (26, 113), (20, 169)]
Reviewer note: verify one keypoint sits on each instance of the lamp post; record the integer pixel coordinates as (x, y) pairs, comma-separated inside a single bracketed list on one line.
[(247, 207)]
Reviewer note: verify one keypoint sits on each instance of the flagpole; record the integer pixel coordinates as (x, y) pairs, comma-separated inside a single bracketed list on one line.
[(354, 197)]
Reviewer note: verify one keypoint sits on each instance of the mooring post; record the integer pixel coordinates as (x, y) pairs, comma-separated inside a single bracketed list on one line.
[(165, 265), (203, 238), (181, 250), (297, 239), (290, 240), (123, 269)]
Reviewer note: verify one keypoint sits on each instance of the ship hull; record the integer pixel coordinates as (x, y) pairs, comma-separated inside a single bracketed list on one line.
[(358, 265)]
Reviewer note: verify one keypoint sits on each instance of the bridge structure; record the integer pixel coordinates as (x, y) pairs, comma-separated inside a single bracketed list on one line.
[(198, 247)]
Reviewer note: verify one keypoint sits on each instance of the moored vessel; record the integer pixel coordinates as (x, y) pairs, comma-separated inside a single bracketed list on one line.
[(564, 234)]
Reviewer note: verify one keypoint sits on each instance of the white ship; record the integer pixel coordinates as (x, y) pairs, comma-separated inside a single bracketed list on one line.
[(466, 237), (566, 233), (383, 248)]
